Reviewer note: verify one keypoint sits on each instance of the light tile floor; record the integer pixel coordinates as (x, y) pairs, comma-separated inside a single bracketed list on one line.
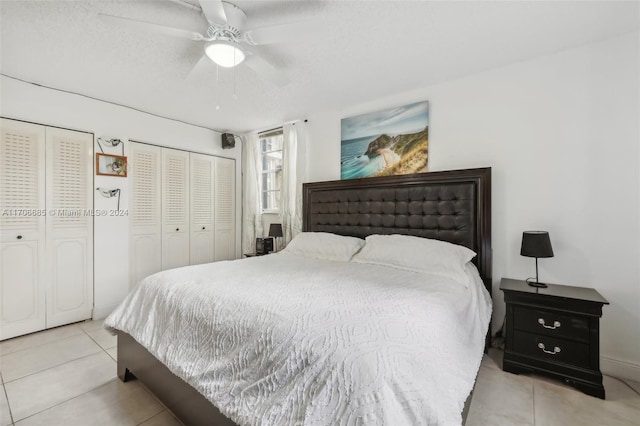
[(502, 398), (67, 376)]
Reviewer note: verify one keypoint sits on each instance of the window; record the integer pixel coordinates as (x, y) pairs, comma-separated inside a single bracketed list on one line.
[(271, 151)]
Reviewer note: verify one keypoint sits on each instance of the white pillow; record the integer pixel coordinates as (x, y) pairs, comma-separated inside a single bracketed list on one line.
[(417, 254), (323, 245)]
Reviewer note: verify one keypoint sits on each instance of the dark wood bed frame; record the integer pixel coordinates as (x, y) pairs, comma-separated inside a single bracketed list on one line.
[(453, 206)]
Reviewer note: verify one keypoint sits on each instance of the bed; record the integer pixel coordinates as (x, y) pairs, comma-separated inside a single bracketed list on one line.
[(452, 206)]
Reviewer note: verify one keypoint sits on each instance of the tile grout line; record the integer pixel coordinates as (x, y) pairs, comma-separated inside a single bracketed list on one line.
[(164, 408), (4, 388), (13, 421), (153, 395), (67, 400), (149, 418), (623, 381), (100, 346), (76, 325), (103, 349), (174, 417), (167, 409), (54, 366), (42, 344), (114, 360), (37, 346), (533, 400)]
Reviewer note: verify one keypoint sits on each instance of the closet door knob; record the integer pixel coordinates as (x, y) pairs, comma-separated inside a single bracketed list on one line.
[(177, 229), (203, 228), (19, 237)]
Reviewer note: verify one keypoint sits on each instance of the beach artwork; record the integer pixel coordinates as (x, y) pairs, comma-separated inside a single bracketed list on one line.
[(383, 143)]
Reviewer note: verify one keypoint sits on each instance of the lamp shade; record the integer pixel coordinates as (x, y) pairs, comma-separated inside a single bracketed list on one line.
[(275, 230), (536, 244)]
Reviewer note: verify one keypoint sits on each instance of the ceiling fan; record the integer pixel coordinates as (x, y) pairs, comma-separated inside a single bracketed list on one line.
[(226, 42)]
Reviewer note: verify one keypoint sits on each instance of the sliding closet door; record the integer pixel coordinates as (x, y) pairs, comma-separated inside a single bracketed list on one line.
[(201, 172), (144, 171), (175, 208), (225, 212), (69, 200), (22, 228)]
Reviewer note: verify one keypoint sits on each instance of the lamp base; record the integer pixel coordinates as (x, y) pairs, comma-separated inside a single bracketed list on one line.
[(536, 284)]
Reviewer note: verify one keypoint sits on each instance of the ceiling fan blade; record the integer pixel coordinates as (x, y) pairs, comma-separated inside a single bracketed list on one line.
[(175, 32), (214, 11), (283, 33), (203, 71), (266, 70)]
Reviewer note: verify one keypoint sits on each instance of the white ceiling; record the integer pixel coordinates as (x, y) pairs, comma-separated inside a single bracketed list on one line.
[(366, 50)]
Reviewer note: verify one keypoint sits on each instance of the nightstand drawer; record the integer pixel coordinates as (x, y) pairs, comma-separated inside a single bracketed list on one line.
[(551, 323), (550, 348)]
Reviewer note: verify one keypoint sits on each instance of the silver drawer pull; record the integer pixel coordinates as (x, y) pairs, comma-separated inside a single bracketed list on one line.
[(556, 324), (553, 352)]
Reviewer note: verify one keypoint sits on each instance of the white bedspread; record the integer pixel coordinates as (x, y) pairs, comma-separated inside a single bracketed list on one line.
[(286, 340)]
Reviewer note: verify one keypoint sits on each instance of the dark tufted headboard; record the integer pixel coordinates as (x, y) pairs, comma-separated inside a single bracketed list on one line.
[(453, 206)]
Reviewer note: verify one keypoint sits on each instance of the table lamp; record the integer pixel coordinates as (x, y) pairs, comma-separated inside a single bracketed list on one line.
[(275, 231), (536, 244)]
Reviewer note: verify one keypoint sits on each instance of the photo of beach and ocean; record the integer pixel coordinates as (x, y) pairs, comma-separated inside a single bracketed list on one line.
[(383, 143)]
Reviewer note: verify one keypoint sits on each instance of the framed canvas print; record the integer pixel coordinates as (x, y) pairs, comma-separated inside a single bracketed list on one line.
[(111, 165), (389, 142)]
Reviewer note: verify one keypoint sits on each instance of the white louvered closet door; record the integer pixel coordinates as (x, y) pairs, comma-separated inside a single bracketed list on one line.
[(22, 228), (201, 172), (175, 208), (144, 169), (69, 200), (225, 211)]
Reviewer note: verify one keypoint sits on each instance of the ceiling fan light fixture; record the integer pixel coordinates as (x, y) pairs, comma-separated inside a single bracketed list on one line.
[(224, 53)]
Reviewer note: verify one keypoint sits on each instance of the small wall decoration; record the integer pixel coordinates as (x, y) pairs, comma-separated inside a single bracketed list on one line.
[(389, 142), (111, 165)]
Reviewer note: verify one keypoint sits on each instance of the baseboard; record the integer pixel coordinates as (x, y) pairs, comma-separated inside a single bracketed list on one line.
[(103, 311), (621, 369)]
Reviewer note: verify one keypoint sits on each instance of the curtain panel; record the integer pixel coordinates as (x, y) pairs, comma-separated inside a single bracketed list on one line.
[(251, 193), (290, 214), (293, 174)]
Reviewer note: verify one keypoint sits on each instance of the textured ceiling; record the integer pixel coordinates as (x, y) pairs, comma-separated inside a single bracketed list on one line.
[(366, 49)]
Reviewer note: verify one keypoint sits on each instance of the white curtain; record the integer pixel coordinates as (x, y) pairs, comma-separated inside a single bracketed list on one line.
[(292, 177), (251, 193)]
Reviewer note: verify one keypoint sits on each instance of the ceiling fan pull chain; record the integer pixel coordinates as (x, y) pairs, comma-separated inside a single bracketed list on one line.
[(217, 85), (235, 72)]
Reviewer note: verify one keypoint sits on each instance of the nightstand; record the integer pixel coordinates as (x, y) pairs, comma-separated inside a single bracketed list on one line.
[(254, 254), (554, 331)]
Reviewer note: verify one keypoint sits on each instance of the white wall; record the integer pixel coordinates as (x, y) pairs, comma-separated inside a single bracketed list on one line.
[(23, 101), (561, 133)]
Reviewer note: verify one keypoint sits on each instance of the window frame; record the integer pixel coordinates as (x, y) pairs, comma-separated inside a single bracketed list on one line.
[(263, 160)]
